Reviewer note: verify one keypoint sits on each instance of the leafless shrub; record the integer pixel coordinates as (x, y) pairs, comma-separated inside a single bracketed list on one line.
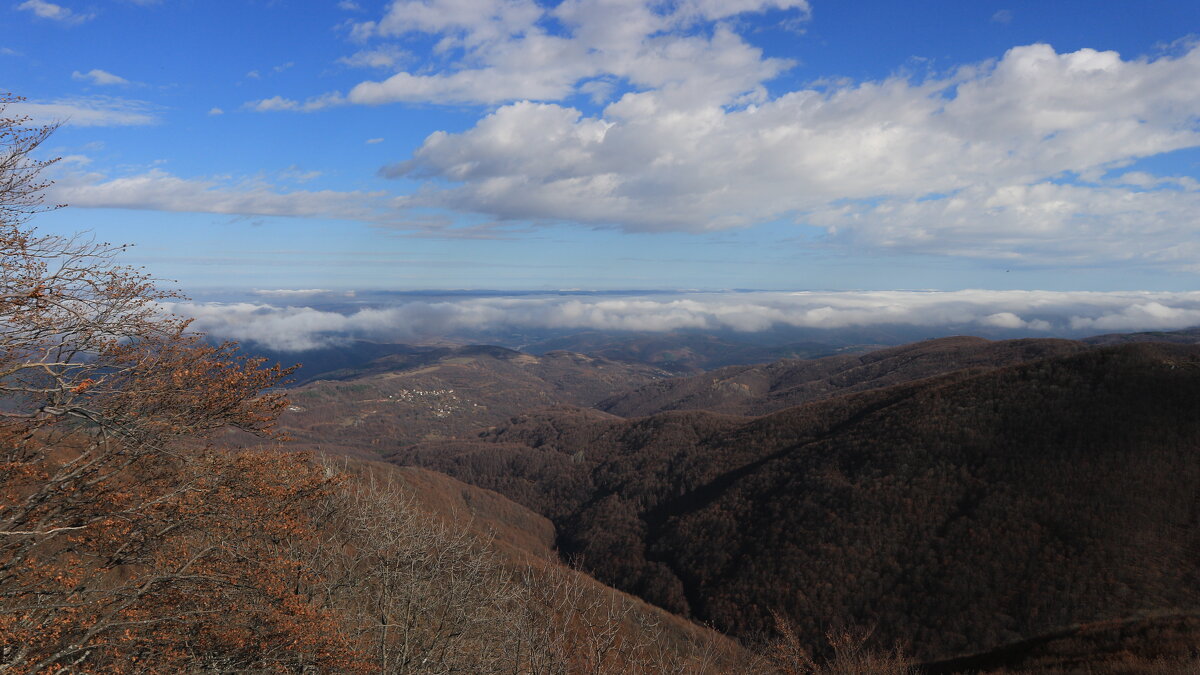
[(419, 594), (850, 654), (423, 595)]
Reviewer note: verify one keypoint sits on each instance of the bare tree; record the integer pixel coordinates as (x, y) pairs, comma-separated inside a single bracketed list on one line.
[(123, 539), (850, 653), (21, 186), (419, 594), (423, 593)]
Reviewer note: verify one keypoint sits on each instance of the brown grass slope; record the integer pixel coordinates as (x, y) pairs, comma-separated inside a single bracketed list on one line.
[(956, 513), (521, 541), (761, 389), (519, 532)]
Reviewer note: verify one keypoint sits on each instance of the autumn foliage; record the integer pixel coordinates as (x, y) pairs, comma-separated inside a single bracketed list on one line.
[(126, 545), (131, 544)]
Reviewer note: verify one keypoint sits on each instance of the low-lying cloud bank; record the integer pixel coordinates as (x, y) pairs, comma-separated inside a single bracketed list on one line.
[(299, 328)]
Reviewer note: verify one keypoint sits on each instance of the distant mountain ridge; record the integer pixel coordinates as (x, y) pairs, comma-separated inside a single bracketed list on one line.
[(761, 389), (686, 353)]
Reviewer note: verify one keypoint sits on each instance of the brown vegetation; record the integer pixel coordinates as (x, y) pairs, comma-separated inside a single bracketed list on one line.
[(128, 545), (953, 513)]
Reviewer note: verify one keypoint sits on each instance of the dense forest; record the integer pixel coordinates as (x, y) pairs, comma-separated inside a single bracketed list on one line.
[(955, 513)]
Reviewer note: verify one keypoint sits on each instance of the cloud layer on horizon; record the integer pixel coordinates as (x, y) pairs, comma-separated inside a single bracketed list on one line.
[(299, 328)]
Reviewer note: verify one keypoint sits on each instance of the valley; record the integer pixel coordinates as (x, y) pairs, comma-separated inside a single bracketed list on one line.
[(956, 495)]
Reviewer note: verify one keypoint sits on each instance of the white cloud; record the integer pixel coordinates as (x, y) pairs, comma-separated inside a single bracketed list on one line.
[(497, 51), (216, 111), (386, 56), (49, 10), (1011, 321), (99, 77), (296, 174), (278, 103), (926, 164), (1007, 158), (98, 111), (1040, 222), (162, 191), (373, 141), (1032, 312), (1149, 315), (512, 57)]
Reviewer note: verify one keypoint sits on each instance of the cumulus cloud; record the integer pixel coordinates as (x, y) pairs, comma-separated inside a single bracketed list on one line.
[(899, 162), (96, 111), (159, 190), (380, 57), (278, 103), (495, 51), (513, 56), (1009, 158), (53, 12), (99, 77), (1040, 222), (297, 328)]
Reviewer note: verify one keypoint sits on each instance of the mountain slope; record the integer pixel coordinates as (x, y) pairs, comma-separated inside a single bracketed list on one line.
[(956, 513), (446, 393)]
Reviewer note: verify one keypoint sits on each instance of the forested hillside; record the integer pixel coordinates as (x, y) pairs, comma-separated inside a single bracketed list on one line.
[(955, 513)]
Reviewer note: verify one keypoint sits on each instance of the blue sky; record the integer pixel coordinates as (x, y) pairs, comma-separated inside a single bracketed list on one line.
[(609, 144)]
